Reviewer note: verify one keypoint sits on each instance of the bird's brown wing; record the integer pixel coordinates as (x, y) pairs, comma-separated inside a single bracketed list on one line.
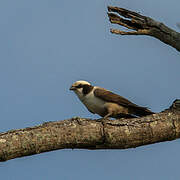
[(114, 98)]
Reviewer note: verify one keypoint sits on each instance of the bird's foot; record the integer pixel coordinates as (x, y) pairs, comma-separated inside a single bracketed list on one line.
[(102, 120)]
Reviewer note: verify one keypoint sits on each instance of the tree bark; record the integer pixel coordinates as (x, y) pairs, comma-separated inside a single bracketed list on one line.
[(142, 25), (92, 134)]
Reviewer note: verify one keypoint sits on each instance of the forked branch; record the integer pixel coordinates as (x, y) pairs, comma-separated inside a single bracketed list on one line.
[(142, 25)]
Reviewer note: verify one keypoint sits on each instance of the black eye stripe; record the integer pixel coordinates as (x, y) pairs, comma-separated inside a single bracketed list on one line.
[(79, 86)]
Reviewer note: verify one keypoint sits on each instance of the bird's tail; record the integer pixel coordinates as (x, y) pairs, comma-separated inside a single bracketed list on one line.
[(142, 111)]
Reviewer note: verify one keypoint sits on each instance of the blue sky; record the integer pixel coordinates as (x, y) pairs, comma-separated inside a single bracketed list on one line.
[(47, 45)]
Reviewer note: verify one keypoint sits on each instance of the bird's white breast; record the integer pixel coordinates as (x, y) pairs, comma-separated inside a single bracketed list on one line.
[(94, 104)]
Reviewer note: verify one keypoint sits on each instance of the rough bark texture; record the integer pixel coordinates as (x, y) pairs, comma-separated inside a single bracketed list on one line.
[(92, 134), (142, 25)]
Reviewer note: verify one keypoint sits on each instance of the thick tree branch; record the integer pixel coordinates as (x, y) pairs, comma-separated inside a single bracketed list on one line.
[(92, 134), (142, 25)]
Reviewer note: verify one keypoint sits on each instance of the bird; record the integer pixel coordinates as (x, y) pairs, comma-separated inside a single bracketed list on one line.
[(106, 103)]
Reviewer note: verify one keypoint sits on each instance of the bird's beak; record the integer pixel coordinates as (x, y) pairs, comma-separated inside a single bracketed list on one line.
[(72, 88)]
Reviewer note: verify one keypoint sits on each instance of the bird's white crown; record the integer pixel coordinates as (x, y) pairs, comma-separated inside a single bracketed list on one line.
[(81, 82)]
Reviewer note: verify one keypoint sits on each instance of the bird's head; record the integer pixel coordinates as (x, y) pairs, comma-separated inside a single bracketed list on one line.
[(81, 87)]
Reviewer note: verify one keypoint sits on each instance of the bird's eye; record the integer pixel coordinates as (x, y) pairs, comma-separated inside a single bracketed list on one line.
[(79, 86)]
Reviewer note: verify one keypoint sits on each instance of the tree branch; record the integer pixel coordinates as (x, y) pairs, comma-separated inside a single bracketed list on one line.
[(142, 25), (92, 134)]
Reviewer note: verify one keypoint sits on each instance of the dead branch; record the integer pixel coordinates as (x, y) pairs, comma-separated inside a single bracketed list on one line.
[(142, 25), (92, 134)]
